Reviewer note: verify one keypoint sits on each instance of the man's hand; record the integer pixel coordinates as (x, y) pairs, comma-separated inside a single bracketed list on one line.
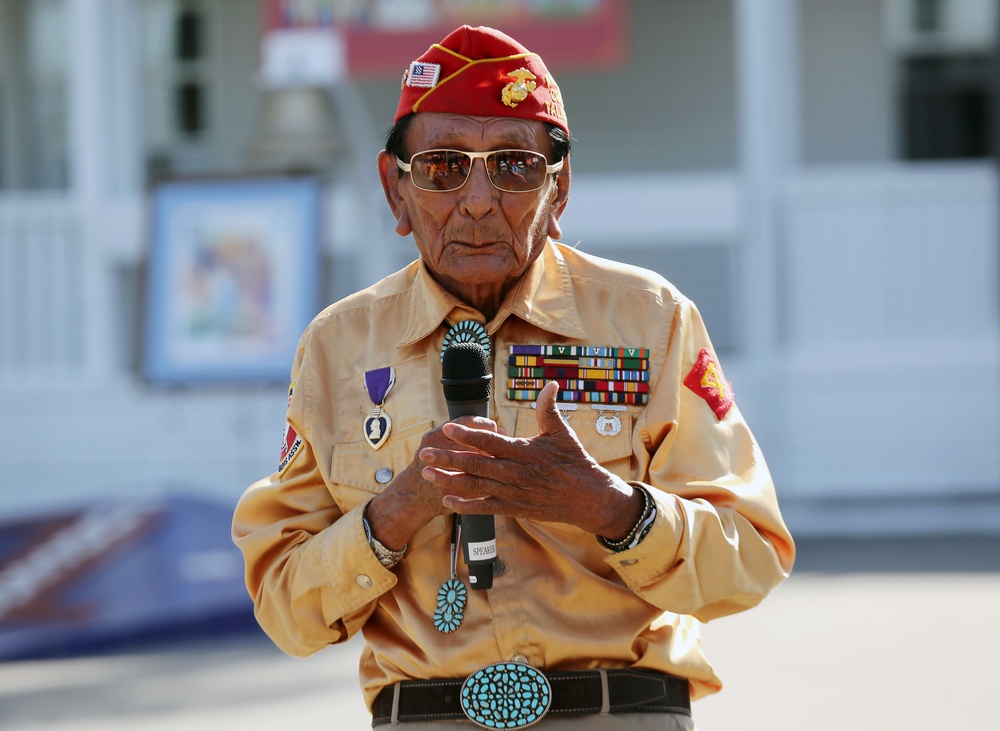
[(410, 502), (550, 477)]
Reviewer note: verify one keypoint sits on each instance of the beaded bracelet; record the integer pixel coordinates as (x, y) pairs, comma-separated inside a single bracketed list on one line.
[(639, 530)]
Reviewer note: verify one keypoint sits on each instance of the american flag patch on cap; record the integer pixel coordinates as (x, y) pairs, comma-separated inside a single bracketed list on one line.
[(423, 74)]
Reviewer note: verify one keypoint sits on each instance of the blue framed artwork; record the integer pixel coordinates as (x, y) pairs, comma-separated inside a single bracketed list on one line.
[(232, 278)]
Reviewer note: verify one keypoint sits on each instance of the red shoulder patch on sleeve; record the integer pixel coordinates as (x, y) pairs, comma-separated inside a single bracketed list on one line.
[(706, 380), (291, 445)]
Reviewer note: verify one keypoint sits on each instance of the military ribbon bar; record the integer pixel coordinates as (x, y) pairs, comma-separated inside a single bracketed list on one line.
[(557, 372), (590, 351), (597, 374), (577, 385), (594, 397)]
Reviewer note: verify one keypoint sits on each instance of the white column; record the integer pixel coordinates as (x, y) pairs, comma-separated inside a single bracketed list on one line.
[(86, 37), (89, 171), (767, 37)]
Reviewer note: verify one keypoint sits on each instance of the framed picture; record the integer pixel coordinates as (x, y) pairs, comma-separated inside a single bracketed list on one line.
[(232, 279)]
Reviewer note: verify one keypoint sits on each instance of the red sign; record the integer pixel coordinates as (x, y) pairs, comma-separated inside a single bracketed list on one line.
[(383, 36)]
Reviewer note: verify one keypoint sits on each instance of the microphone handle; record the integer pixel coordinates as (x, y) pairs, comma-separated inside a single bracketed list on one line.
[(479, 548), (479, 543), (479, 407)]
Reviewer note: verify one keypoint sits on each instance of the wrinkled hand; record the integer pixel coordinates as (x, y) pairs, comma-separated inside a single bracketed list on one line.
[(409, 502), (549, 477)]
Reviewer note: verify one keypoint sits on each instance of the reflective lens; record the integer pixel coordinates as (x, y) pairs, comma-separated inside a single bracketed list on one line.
[(514, 171)]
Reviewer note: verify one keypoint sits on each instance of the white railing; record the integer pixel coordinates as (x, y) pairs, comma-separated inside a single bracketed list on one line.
[(895, 253), (890, 352), (42, 289)]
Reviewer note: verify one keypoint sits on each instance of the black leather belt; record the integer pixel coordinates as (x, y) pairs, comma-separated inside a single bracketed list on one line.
[(577, 692)]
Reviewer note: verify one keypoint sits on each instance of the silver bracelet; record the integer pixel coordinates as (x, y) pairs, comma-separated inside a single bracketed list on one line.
[(639, 530), (386, 556)]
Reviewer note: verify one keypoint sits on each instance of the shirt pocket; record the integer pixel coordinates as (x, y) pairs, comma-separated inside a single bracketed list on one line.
[(613, 453), (354, 465)]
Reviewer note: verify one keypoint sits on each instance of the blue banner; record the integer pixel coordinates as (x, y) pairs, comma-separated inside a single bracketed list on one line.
[(116, 573)]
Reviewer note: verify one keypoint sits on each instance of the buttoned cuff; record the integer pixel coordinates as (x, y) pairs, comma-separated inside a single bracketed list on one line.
[(657, 553), (352, 568)]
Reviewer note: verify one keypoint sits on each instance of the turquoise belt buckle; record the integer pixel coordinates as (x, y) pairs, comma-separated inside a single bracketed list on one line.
[(506, 695)]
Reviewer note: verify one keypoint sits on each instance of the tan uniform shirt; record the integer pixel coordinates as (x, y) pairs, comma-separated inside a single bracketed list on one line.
[(718, 544)]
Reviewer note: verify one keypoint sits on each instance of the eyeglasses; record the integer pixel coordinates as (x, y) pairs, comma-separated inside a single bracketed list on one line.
[(513, 171)]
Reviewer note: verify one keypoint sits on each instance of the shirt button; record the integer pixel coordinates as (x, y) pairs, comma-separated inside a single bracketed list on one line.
[(499, 568), (629, 561), (519, 658), (364, 581), (383, 476)]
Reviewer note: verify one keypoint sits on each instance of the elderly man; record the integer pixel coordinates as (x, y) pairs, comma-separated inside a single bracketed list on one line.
[(630, 498)]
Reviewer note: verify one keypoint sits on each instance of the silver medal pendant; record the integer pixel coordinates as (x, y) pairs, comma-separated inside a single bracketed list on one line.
[(608, 423)]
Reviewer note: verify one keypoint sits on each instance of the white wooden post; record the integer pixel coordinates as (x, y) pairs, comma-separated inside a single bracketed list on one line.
[(769, 147), (102, 159)]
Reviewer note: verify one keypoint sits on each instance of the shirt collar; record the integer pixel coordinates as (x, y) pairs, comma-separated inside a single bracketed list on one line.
[(544, 298)]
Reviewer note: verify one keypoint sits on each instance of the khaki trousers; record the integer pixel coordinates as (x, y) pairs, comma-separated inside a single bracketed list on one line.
[(591, 722)]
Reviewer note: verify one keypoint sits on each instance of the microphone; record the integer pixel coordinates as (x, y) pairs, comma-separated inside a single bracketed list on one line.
[(466, 378)]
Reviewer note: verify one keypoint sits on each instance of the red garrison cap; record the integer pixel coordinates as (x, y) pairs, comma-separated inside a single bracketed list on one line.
[(481, 72)]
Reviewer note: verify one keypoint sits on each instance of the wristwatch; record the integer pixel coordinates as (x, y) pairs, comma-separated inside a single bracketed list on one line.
[(385, 556)]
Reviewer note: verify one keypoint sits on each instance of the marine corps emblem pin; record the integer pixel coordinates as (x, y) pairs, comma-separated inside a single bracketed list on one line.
[(517, 91)]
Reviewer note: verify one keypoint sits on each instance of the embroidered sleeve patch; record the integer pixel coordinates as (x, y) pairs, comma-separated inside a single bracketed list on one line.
[(706, 380), (291, 442)]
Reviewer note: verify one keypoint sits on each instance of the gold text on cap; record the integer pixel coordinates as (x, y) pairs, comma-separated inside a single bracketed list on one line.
[(555, 105)]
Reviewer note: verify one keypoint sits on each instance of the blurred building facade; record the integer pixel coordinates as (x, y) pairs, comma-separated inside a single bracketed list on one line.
[(819, 177)]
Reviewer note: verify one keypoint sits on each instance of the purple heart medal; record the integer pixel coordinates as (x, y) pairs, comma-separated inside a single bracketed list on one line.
[(378, 383)]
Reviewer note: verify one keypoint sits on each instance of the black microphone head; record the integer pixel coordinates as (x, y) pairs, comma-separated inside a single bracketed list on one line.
[(465, 372)]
